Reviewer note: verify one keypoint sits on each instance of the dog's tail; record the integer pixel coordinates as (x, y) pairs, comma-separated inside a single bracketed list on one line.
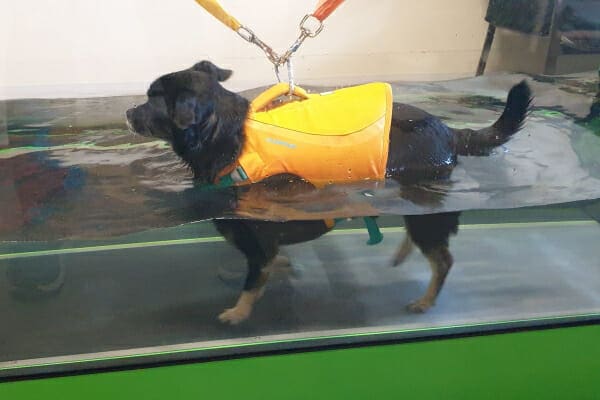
[(480, 143)]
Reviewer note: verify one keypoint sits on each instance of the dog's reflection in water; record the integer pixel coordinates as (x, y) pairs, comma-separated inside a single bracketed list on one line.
[(204, 123)]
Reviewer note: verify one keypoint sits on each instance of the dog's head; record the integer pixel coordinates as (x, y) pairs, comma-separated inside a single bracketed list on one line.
[(196, 115), (178, 101)]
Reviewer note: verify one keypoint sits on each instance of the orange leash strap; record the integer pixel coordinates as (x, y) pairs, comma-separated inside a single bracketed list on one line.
[(325, 8)]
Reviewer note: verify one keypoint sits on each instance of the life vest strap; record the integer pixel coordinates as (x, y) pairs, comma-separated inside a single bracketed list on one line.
[(375, 235)]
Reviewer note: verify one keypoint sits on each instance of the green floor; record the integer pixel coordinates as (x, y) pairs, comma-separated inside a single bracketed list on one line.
[(549, 364)]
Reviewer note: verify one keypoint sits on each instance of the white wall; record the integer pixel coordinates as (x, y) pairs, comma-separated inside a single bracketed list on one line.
[(57, 48)]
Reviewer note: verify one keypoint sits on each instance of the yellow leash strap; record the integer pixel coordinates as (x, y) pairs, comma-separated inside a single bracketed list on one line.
[(213, 7)]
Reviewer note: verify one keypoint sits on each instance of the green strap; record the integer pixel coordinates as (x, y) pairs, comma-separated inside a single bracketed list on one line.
[(238, 175), (223, 183), (375, 235)]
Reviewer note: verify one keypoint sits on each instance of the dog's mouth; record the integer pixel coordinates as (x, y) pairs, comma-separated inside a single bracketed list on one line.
[(133, 125), (130, 127), (128, 117)]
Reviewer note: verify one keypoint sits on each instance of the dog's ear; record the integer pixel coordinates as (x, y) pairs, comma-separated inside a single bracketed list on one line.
[(219, 73), (188, 111)]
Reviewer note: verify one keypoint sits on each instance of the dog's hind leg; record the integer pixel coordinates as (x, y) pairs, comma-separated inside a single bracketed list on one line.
[(431, 233), (403, 251), (440, 261)]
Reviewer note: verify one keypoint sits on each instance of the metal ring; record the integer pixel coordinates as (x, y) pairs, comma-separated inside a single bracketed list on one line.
[(246, 34), (309, 32)]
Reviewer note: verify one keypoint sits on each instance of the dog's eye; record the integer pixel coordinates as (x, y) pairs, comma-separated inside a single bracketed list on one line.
[(156, 101)]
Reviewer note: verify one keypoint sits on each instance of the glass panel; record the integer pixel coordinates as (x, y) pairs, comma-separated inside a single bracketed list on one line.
[(114, 252)]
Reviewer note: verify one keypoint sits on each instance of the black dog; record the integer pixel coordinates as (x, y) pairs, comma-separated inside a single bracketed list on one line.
[(204, 124)]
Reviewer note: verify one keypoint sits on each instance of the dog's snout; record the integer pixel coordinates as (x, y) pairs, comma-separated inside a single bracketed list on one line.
[(138, 120), (130, 120), (129, 113)]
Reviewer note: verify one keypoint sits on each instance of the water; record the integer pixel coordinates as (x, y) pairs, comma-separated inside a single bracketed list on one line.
[(105, 247), (78, 173)]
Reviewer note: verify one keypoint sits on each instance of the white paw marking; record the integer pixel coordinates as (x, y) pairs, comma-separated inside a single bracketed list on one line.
[(235, 315), (420, 306)]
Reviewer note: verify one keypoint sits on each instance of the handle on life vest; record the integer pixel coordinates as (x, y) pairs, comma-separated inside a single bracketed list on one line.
[(267, 97), (213, 7)]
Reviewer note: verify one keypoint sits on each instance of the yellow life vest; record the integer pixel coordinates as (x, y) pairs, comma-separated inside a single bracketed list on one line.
[(334, 137)]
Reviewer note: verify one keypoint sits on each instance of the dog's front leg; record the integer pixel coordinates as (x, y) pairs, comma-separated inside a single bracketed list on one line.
[(256, 240), (253, 290)]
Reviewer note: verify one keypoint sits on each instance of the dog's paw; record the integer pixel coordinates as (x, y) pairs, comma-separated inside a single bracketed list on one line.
[(281, 262), (403, 252), (230, 275), (419, 306), (398, 259), (282, 266), (235, 315)]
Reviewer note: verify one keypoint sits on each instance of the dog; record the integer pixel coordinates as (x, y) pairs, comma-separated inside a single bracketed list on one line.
[(204, 124)]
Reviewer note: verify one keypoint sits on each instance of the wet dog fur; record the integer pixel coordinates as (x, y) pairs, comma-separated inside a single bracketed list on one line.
[(203, 122)]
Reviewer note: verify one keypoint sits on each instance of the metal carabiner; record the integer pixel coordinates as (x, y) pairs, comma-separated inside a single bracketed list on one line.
[(277, 72), (248, 35), (291, 82), (294, 47), (290, 70), (305, 32)]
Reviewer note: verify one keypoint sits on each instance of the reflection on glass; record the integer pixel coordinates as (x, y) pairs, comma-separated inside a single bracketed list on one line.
[(188, 236)]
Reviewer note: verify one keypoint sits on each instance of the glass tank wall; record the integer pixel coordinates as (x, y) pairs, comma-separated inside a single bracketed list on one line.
[(122, 243)]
